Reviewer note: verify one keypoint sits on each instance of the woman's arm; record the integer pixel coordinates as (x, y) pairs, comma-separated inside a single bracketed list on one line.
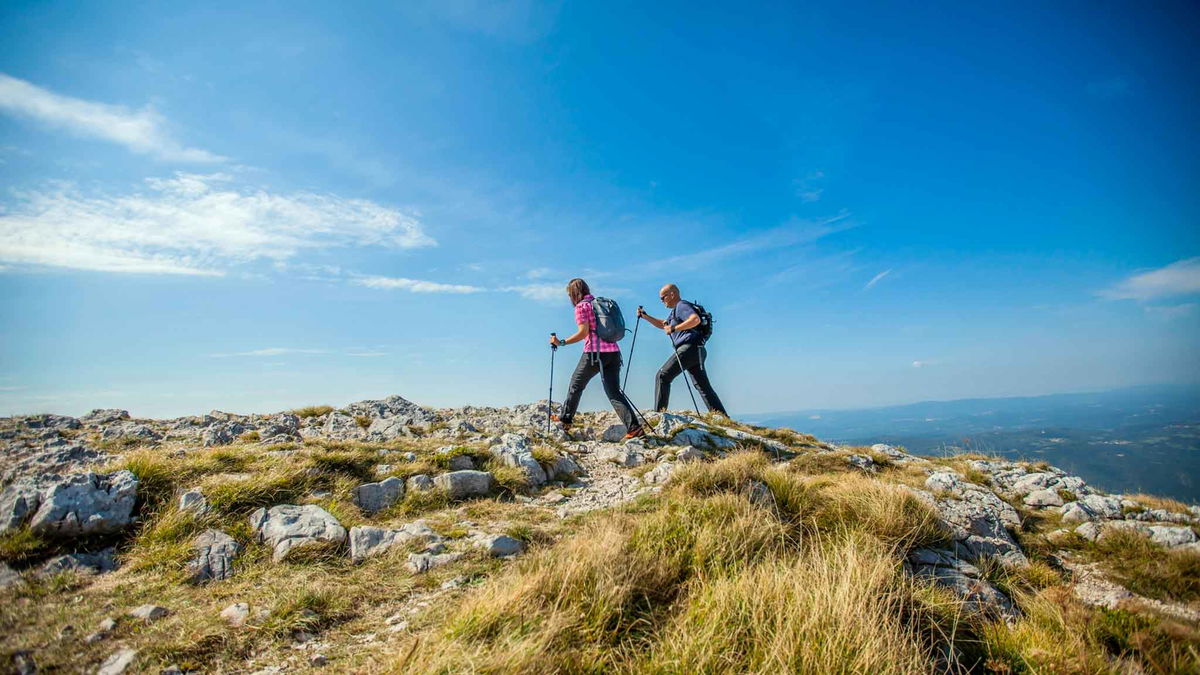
[(581, 334)]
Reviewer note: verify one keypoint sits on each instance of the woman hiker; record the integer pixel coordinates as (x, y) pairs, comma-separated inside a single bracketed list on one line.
[(598, 356)]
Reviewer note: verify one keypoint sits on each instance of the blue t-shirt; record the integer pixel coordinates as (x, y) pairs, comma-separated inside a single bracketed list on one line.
[(682, 311)]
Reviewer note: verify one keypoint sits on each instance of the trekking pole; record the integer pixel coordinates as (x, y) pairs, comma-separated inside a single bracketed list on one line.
[(550, 398), (632, 346)]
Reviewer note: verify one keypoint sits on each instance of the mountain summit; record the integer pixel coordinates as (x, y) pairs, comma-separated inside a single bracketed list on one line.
[(387, 536)]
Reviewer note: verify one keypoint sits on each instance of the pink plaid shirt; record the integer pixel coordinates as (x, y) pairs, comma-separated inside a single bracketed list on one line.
[(584, 314)]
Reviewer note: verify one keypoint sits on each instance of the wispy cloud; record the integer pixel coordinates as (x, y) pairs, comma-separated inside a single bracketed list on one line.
[(1169, 312), (876, 279), (924, 363), (539, 292), (191, 224), (143, 131), (808, 189), (274, 351), (1179, 278), (366, 355), (414, 285), (538, 273)]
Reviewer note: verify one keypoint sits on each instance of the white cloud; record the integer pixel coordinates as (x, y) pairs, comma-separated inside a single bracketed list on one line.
[(1179, 278), (538, 273), (540, 292), (1171, 311), (924, 363), (876, 279), (143, 131), (366, 354), (191, 224), (275, 351), (807, 188), (415, 285)]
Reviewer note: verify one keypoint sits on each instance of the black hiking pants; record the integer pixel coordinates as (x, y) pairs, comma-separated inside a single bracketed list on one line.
[(608, 364), (692, 357)]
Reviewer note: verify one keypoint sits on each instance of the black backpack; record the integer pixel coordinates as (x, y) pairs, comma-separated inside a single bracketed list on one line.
[(704, 330)]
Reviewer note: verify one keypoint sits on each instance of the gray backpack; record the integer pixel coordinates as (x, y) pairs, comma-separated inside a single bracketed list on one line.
[(610, 324)]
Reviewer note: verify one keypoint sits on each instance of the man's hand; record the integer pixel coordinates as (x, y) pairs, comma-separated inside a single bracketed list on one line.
[(641, 312), (668, 329)]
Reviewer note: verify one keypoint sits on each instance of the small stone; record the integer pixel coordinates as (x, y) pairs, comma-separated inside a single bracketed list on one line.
[(193, 500), (500, 546), (461, 463), (318, 660), (149, 612), (118, 662), (107, 625), (689, 454), (1043, 498), (1089, 530), (861, 462), (236, 614), (23, 663), (171, 670), (93, 638), (463, 484)]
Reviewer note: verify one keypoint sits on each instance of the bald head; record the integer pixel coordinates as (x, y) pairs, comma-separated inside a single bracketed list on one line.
[(669, 295)]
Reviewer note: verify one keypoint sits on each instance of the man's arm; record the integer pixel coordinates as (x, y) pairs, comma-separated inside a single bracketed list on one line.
[(649, 319), (688, 323)]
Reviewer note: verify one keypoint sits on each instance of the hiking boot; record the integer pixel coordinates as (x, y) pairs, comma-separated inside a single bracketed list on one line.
[(565, 425), (636, 432)]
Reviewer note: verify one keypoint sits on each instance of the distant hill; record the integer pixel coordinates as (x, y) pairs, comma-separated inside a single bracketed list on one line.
[(1143, 439)]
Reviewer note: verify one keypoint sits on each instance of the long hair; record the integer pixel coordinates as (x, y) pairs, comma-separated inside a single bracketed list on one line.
[(577, 288)]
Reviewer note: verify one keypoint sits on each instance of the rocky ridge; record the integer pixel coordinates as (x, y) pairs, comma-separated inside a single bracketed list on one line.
[(60, 481)]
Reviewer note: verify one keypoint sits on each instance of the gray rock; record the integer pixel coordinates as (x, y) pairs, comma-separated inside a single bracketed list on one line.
[(118, 662), (1089, 530), (976, 519), (23, 663), (419, 563), (861, 462), (107, 625), (1172, 536), (149, 612), (614, 434), (374, 497), (1102, 506), (464, 484), (394, 407), (221, 434), (8, 576), (389, 429), (946, 570), (236, 614), (340, 426), (514, 450), (104, 416), (18, 502), (80, 563), (461, 463), (193, 500), (659, 474), (130, 430), (288, 527), (702, 439), (371, 541), (621, 456), (213, 555), (1043, 498), (1075, 512), (669, 422), (419, 483), (565, 468), (85, 504), (500, 546), (689, 454)]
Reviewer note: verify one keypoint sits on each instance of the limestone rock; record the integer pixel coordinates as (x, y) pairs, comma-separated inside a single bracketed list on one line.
[(514, 450), (689, 454), (419, 483), (659, 474), (702, 439), (288, 526), (861, 462), (193, 500), (371, 541), (221, 434), (374, 497), (118, 662), (8, 576), (1043, 498), (85, 504), (104, 416), (500, 546), (18, 502), (614, 434), (963, 578), (464, 484), (149, 612), (565, 468), (236, 614), (80, 563), (213, 555), (976, 518), (419, 563)]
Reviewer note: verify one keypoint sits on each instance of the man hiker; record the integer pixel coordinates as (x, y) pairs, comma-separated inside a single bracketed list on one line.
[(680, 325)]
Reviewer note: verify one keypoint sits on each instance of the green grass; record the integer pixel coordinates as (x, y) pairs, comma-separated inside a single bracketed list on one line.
[(1147, 569), (21, 546), (312, 411)]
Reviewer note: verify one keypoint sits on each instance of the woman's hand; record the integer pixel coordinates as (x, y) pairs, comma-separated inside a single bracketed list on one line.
[(555, 342)]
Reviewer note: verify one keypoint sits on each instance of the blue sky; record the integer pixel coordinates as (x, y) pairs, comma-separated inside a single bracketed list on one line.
[(254, 208)]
